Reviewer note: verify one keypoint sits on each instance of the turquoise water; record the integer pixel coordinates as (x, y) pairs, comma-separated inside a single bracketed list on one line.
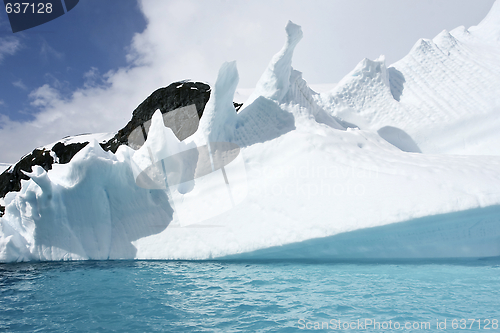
[(249, 296)]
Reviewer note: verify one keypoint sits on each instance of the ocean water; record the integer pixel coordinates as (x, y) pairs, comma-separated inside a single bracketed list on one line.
[(251, 296)]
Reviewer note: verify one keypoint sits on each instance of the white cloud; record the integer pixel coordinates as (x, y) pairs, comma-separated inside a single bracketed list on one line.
[(93, 78), (47, 52), (8, 46), (191, 39), (19, 84), (44, 96)]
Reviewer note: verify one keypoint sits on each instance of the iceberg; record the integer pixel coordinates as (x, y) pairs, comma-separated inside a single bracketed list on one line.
[(396, 161)]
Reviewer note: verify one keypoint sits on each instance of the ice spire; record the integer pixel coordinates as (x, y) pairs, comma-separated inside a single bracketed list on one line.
[(219, 118), (275, 81)]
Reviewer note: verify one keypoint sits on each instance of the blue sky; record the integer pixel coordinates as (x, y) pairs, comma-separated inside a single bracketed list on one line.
[(66, 53), (86, 71)]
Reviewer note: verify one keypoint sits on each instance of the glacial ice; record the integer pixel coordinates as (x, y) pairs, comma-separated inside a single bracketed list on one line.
[(396, 161)]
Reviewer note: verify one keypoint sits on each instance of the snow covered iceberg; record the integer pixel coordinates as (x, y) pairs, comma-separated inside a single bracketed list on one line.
[(333, 175)]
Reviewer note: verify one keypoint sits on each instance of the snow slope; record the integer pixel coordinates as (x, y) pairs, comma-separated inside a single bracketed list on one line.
[(303, 182), (444, 95)]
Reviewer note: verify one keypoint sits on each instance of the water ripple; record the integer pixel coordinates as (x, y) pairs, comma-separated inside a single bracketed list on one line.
[(138, 296)]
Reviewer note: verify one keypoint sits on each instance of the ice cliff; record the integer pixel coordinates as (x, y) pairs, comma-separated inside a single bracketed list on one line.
[(370, 169)]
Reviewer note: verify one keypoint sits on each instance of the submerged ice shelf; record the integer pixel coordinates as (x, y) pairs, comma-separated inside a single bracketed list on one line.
[(363, 171)]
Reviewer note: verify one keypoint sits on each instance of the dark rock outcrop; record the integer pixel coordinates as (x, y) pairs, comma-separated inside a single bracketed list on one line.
[(65, 152), (237, 106), (176, 95), (10, 179)]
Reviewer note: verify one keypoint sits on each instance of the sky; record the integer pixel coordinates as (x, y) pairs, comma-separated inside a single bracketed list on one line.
[(86, 71)]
